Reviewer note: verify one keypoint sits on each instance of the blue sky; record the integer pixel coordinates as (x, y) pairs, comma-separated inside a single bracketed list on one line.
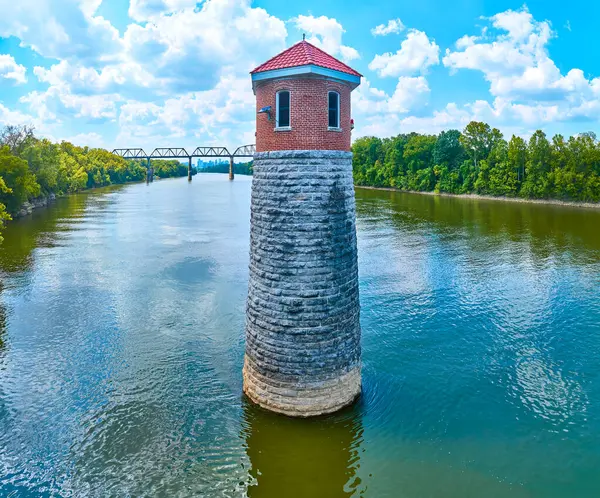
[(152, 73)]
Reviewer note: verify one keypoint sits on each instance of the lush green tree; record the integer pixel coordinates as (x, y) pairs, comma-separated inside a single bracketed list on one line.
[(31, 167), (168, 168), (4, 216), (418, 156), (539, 156), (449, 150), (72, 175), (502, 176), (16, 138), (43, 158), (479, 160), (394, 165), (561, 179), (418, 152), (446, 180), (478, 139), (20, 184), (223, 167), (367, 150), (580, 174), (517, 156)]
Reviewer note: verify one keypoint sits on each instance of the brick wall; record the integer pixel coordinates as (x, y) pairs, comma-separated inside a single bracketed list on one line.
[(308, 116)]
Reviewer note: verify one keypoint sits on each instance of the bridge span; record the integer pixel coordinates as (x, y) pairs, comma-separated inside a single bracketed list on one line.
[(181, 153)]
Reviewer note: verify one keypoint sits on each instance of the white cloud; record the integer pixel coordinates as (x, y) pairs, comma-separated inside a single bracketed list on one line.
[(58, 102), (416, 54), (527, 86), (449, 117), (184, 47), (516, 63), (367, 100), (326, 33), (518, 24), (392, 26), (9, 69), (223, 115), (179, 74), (505, 112), (61, 29), (510, 118), (13, 117), (169, 69), (466, 41), (188, 50), (378, 113), (89, 7), (93, 139), (125, 77), (143, 10), (409, 93), (506, 53), (348, 53)]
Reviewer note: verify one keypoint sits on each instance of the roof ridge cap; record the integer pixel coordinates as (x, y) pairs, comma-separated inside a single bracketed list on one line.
[(308, 51), (305, 53), (332, 57)]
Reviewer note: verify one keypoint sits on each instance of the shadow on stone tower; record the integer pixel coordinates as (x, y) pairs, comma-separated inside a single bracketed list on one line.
[(302, 321)]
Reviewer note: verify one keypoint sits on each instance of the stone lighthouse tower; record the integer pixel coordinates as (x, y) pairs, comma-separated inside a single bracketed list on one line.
[(302, 319)]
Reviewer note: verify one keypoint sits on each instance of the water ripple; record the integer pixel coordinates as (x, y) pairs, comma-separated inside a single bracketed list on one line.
[(121, 345)]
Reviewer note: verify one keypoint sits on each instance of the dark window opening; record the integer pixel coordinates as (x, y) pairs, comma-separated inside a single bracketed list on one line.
[(334, 110), (283, 109)]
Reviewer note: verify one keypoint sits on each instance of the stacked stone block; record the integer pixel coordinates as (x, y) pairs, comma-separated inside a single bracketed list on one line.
[(302, 321)]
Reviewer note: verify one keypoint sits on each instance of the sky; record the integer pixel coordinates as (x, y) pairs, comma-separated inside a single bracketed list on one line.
[(156, 73)]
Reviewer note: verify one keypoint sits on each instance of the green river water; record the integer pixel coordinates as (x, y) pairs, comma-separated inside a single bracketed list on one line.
[(122, 341)]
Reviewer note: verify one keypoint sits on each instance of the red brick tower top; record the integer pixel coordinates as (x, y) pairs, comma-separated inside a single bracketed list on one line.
[(303, 100)]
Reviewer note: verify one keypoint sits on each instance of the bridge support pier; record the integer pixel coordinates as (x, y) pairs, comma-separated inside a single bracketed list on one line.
[(149, 173), (231, 175), (303, 315), (190, 170)]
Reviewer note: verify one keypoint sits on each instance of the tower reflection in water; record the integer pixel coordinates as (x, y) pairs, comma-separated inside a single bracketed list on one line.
[(300, 458)]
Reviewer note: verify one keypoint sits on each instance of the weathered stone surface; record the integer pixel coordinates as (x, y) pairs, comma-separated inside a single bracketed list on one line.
[(28, 206), (302, 317)]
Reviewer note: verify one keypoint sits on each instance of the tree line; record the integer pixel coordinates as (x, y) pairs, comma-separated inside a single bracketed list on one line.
[(31, 168), (168, 168), (479, 160), (223, 167)]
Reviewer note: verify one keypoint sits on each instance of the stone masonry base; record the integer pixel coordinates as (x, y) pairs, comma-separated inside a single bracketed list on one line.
[(302, 318)]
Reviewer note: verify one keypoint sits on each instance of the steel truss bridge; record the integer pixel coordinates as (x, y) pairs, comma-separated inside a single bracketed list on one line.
[(181, 153)]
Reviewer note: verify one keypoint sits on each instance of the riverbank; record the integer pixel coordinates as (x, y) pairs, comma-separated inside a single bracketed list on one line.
[(556, 202), (29, 206)]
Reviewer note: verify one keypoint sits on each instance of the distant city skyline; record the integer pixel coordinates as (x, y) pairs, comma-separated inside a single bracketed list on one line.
[(154, 73)]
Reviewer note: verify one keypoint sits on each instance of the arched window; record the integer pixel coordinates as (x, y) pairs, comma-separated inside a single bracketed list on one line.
[(283, 109), (334, 109)]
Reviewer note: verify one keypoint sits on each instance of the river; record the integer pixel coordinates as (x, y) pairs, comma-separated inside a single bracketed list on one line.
[(121, 348)]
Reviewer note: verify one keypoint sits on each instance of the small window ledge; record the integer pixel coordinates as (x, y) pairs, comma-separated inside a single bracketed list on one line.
[(333, 128), (283, 128)]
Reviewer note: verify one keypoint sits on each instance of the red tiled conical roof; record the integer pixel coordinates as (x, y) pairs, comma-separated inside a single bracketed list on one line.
[(303, 54)]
